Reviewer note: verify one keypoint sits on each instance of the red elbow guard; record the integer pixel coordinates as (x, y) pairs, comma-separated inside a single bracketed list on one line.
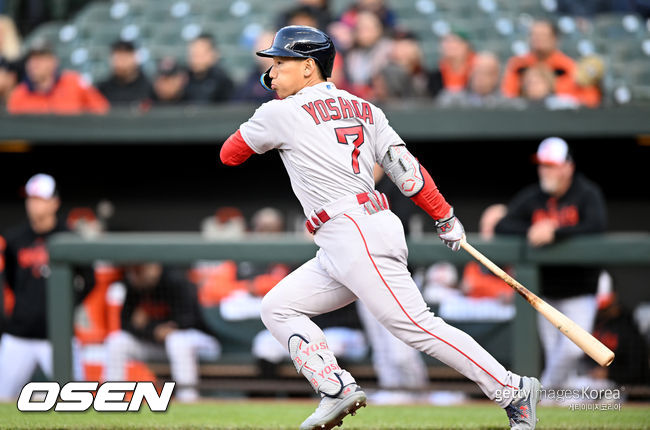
[(430, 199), (235, 150)]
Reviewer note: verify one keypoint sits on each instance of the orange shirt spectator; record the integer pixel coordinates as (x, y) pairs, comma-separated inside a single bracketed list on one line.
[(455, 66), (69, 95), (456, 63), (543, 51), (46, 90)]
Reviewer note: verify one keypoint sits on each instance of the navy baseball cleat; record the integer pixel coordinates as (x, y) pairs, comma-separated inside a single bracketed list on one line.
[(522, 412), (331, 410)]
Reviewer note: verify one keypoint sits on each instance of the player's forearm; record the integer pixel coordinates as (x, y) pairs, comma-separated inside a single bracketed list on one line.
[(430, 199), (235, 150)]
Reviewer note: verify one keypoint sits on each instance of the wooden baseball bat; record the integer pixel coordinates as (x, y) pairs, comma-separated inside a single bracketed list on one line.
[(589, 344)]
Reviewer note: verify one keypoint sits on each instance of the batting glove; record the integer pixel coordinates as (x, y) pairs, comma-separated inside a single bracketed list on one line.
[(450, 231)]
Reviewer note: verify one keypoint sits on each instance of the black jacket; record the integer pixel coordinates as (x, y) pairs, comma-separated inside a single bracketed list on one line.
[(174, 298), (581, 210), (214, 86), (119, 93), (26, 269)]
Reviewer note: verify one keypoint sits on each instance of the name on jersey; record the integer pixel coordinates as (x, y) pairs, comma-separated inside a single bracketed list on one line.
[(339, 108)]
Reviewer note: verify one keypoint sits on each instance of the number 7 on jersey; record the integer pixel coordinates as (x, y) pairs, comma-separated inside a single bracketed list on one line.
[(342, 134)]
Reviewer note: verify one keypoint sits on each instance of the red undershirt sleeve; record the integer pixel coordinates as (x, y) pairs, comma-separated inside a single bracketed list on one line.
[(430, 199), (235, 150)]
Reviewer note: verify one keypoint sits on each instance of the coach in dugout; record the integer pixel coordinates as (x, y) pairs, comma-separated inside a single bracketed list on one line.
[(24, 344), (563, 204)]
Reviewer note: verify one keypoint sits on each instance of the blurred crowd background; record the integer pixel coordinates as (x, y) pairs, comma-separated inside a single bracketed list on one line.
[(558, 54)]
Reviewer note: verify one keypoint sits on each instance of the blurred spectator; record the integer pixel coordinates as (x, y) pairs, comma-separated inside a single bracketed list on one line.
[(369, 54), (543, 43), (169, 83), (404, 76), (161, 316), (342, 35), (8, 81), (9, 39), (440, 283), (538, 89), (314, 11), (483, 91), (24, 344), (616, 329), (303, 15), (455, 66), (250, 90), (48, 90), (378, 7), (306, 14), (589, 76), (227, 221), (477, 298), (563, 204), (127, 83), (29, 14), (208, 82)]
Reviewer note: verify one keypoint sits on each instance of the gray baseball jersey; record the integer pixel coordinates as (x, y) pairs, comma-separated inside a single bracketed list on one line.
[(329, 141)]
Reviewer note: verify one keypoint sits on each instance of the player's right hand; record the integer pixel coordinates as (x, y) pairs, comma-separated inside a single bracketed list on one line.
[(450, 231)]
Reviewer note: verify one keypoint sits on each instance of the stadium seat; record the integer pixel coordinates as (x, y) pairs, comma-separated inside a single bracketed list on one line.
[(48, 31), (95, 12), (99, 32), (618, 26)]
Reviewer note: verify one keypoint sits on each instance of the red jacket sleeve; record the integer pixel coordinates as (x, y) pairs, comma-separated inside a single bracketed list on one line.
[(235, 150), (430, 199)]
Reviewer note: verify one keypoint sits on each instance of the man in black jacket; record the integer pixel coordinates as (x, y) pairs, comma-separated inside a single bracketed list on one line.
[(563, 204), (24, 344), (127, 84), (208, 81), (161, 315)]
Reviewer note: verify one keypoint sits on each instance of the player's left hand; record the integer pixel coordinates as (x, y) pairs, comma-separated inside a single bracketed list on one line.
[(450, 231)]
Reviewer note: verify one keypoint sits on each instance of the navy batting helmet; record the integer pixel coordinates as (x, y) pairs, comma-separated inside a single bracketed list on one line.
[(301, 41)]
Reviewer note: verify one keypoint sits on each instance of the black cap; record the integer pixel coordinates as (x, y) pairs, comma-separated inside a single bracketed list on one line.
[(123, 45), (168, 66)]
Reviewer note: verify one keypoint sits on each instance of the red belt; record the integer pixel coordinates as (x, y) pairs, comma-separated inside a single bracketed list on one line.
[(373, 202)]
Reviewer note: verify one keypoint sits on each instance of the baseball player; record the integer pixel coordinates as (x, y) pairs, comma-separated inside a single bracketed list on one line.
[(329, 141)]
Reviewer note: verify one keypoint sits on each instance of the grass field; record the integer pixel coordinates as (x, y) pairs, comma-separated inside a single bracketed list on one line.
[(276, 415)]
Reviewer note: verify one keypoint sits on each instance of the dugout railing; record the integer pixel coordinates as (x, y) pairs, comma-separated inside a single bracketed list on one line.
[(68, 250)]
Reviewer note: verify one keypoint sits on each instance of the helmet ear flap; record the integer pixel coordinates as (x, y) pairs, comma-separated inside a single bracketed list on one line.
[(265, 80)]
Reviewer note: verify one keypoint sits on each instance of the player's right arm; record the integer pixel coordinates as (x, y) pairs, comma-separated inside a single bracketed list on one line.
[(235, 150)]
